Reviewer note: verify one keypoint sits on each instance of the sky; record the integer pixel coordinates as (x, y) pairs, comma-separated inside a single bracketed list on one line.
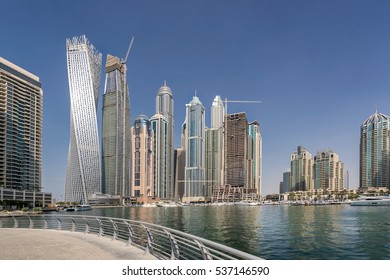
[(320, 68)]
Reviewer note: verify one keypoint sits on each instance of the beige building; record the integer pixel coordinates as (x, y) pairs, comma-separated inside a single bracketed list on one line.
[(328, 171), (301, 174), (142, 160)]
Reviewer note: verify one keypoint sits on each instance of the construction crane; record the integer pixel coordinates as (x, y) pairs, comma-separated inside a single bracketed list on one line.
[(128, 51), (226, 101)]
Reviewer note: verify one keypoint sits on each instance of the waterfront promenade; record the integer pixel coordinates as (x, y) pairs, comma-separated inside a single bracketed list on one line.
[(27, 244)]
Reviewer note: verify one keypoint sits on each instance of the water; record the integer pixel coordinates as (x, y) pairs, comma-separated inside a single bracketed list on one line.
[(278, 232)]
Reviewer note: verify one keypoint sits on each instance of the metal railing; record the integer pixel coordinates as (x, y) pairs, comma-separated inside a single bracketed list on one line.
[(161, 242)]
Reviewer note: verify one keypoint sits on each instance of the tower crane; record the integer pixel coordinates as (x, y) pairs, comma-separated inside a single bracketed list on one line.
[(128, 51), (226, 101)]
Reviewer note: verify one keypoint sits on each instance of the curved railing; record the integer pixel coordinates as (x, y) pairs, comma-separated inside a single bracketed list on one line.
[(161, 242)]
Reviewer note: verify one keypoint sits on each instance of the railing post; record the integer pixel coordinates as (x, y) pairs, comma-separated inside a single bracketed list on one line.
[(131, 233), (86, 226), (175, 253), (115, 233), (16, 222), (149, 247), (101, 232), (59, 224), (45, 223), (205, 253), (31, 224), (73, 225)]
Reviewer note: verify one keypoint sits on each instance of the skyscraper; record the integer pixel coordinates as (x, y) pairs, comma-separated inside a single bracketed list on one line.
[(235, 156), (160, 148), (254, 158), (301, 172), (142, 171), (83, 174), (328, 171), (214, 147), (375, 152), (195, 150), (20, 128), (165, 162), (116, 130)]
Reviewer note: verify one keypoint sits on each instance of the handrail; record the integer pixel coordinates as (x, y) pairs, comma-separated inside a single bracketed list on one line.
[(160, 241)]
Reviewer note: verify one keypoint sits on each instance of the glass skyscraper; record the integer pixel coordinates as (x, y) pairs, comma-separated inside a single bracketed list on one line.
[(214, 147), (116, 130), (159, 126), (164, 107), (20, 129), (195, 151), (83, 174), (254, 158), (375, 152)]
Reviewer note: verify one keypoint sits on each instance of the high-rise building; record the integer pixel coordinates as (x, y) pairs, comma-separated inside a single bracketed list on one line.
[(328, 171), (375, 152), (195, 151), (20, 128), (301, 176), (116, 130), (214, 147), (254, 159), (180, 163), (83, 174), (286, 182), (235, 155), (165, 162), (142, 171), (160, 130)]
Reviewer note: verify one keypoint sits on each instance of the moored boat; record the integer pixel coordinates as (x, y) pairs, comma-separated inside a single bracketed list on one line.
[(83, 207), (372, 201)]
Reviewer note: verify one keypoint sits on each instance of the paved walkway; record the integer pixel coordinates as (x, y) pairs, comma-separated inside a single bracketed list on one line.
[(35, 244)]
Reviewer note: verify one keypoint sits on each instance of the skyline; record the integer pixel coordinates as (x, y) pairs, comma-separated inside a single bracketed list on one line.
[(320, 69)]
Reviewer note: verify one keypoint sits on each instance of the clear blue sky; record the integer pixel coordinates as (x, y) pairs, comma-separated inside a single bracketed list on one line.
[(320, 67)]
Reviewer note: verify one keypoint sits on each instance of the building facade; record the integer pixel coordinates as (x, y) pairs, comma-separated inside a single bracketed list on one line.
[(328, 171), (165, 162), (83, 173), (142, 163), (285, 185), (301, 176), (375, 152), (116, 130), (20, 128), (214, 147), (254, 159), (235, 146), (159, 126), (195, 188)]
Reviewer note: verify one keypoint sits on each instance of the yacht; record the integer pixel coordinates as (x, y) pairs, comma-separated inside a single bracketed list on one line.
[(83, 207), (372, 201)]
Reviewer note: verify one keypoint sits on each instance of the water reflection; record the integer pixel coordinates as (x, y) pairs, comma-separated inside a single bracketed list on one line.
[(278, 232)]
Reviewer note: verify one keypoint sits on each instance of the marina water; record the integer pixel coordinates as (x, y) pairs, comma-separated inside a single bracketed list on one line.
[(275, 231)]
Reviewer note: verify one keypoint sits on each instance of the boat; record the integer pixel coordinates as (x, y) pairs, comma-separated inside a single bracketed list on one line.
[(246, 203), (171, 204), (83, 207), (372, 201), (70, 209), (149, 205)]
